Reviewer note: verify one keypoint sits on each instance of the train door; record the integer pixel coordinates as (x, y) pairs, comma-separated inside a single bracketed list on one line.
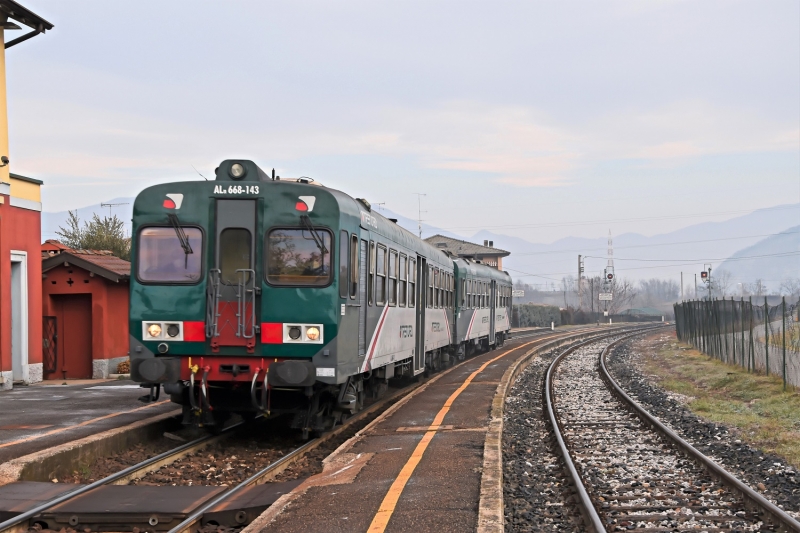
[(492, 311), (362, 300), (232, 282), (422, 302)]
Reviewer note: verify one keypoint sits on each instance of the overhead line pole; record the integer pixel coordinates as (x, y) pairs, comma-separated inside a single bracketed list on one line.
[(419, 212)]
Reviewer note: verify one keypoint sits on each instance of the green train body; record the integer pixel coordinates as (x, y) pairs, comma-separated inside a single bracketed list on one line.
[(254, 294)]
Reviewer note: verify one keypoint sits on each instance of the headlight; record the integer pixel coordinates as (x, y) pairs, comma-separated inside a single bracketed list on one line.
[(237, 171), (312, 333), (154, 330), (173, 330), (294, 333)]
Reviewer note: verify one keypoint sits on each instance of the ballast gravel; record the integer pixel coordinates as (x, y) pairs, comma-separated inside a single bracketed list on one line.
[(767, 473), (536, 495), (635, 477)]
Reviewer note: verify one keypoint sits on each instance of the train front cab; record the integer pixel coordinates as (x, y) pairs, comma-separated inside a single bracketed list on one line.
[(234, 302)]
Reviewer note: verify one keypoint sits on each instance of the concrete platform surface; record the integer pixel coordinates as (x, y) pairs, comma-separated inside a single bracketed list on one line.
[(441, 493), (39, 417)]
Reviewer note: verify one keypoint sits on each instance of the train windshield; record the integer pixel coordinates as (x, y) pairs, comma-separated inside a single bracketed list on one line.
[(162, 259), (295, 257)]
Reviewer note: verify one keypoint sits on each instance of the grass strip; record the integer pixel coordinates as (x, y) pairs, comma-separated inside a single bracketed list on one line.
[(756, 405)]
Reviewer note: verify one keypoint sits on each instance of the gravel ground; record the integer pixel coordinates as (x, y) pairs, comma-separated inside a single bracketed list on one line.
[(764, 472), (536, 494)]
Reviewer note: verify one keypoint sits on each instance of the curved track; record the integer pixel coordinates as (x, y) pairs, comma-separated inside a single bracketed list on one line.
[(632, 473)]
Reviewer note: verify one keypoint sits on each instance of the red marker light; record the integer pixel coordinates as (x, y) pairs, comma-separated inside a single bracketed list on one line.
[(169, 204), (301, 206)]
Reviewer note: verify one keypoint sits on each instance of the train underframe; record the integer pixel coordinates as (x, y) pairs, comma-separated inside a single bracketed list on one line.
[(313, 409)]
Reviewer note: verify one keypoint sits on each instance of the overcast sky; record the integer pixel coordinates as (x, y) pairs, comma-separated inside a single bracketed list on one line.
[(504, 114)]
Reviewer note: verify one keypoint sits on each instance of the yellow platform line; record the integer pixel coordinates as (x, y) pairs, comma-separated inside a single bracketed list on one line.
[(389, 503)]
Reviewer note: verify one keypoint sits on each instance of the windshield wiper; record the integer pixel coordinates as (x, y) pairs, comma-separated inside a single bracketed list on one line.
[(187, 248), (317, 239)]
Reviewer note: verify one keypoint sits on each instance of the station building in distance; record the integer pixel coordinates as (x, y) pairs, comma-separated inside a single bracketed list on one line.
[(486, 254)]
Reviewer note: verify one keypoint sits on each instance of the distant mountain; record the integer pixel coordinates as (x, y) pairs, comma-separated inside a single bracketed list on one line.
[(639, 257), (635, 256), (762, 260)]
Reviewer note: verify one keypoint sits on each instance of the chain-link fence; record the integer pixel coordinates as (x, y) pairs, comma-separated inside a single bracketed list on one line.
[(760, 338)]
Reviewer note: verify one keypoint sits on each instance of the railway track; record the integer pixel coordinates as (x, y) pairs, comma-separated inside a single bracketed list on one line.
[(632, 473), (50, 512)]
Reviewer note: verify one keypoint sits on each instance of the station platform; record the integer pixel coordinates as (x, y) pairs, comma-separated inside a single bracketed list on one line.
[(417, 467), (47, 414)]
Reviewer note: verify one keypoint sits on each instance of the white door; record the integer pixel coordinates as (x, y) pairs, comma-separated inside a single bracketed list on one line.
[(19, 316)]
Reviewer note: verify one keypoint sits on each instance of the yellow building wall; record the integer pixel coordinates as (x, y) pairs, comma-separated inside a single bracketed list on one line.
[(25, 190)]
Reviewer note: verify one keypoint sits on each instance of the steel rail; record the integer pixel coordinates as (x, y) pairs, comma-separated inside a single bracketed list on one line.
[(779, 516), (590, 515), (197, 515), (20, 518)]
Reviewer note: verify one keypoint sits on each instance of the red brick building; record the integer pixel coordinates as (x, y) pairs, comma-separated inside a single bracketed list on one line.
[(84, 312)]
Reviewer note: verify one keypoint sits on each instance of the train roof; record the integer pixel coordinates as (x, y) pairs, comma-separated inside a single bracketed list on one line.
[(478, 269)]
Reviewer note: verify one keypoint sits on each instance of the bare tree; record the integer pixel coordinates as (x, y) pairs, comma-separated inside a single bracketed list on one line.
[(721, 283), (624, 293), (791, 287)]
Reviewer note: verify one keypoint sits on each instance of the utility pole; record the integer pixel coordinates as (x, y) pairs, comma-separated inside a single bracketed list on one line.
[(580, 282), (419, 212)]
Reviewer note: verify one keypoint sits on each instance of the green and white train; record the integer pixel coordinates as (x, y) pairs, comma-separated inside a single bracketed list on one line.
[(255, 294)]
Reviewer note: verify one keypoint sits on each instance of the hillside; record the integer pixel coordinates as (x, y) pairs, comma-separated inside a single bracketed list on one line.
[(750, 264)]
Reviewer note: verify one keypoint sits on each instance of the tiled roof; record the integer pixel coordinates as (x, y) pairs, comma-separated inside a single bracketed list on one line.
[(101, 262), (464, 248), (105, 259)]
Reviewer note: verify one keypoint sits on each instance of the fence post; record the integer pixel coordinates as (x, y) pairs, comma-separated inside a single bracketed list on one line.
[(733, 328), (766, 334), (741, 328), (783, 318), (751, 363)]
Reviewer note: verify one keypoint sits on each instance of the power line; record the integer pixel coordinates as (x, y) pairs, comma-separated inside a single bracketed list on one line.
[(779, 254), (610, 221), (661, 244)]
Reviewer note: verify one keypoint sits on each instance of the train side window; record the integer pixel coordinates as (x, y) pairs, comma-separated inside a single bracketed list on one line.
[(380, 271), (353, 266), (451, 283), (469, 294), (371, 281), (234, 254), (463, 293), (343, 256), (437, 290), (392, 277), (412, 282), (429, 303), (401, 300)]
